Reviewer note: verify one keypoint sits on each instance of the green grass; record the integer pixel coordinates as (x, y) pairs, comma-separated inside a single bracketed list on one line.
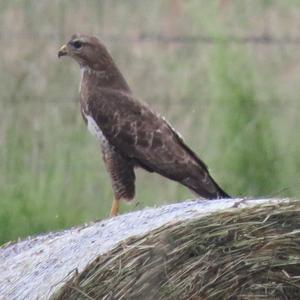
[(247, 137), (237, 105)]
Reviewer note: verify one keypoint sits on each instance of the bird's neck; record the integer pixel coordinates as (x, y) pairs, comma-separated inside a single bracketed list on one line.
[(110, 78)]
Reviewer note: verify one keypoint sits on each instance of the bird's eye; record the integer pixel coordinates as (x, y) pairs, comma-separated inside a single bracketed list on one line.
[(77, 44)]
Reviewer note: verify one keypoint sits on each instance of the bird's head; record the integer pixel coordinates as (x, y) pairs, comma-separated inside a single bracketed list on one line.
[(87, 51)]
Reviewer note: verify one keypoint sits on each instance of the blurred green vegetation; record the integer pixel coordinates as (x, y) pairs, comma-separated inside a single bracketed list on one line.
[(236, 103)]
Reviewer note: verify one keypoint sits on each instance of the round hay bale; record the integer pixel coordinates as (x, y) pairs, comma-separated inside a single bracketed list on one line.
[(221, 249), (247, 253)]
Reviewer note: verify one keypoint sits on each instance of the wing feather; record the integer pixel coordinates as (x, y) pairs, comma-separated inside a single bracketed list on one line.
[(148, 140)]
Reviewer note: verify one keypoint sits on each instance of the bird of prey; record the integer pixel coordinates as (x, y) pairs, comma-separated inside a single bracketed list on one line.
[(130, 133)]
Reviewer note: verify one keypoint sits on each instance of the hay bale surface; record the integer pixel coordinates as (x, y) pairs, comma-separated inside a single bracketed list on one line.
[(191, 250)]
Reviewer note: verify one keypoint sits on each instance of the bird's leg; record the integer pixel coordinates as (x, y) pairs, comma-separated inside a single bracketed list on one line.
[(115, 207)]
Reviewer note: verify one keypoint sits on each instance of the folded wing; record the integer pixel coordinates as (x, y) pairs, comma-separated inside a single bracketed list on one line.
[(150, 142)]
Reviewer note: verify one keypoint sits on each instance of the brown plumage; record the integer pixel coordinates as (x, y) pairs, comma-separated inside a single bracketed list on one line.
[(131, 134)]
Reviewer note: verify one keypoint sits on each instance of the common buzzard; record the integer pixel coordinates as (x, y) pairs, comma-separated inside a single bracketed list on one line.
[(131, 134)]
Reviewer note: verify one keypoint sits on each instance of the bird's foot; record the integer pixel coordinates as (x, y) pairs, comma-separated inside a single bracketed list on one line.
[(115, 208)]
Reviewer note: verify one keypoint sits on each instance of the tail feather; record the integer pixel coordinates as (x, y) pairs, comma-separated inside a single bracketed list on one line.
[(197, 177), (207, 188), (220, 192)]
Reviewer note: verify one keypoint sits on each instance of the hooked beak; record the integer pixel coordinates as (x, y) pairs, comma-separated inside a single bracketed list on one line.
[(62, 51)]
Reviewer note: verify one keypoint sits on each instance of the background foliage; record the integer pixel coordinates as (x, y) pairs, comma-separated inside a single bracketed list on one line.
[(225, 73)]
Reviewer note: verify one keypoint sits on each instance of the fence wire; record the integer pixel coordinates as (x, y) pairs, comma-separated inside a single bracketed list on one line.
[(144, 37)]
